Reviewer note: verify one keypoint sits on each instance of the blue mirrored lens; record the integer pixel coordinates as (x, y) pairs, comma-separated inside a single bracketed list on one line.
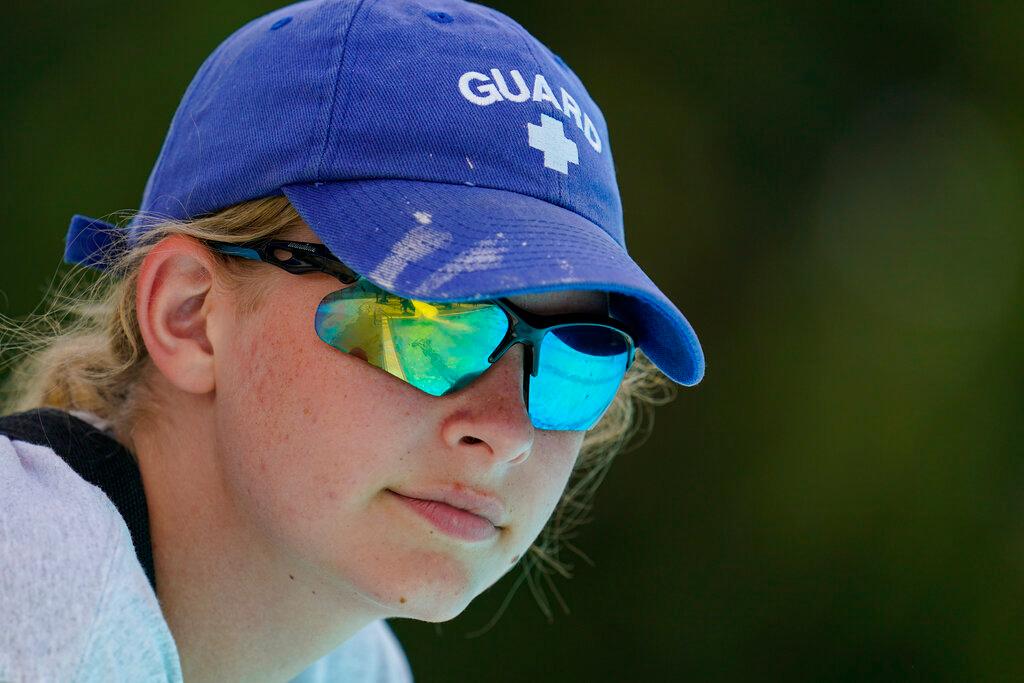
[(580, 369)]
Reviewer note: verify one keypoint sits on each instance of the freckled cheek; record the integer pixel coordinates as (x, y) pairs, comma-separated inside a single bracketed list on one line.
[(312, 421), (552, 460), (321, 440), (301, 483), (269, 388), (279, 363)]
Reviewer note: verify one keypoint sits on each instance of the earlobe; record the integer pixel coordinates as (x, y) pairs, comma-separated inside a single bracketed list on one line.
[(173, 306)]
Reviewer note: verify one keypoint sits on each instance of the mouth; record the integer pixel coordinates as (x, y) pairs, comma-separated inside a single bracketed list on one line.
[(453, 521), (459, 495)]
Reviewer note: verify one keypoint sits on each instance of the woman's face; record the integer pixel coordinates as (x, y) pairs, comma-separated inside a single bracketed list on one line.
[(314, 442)]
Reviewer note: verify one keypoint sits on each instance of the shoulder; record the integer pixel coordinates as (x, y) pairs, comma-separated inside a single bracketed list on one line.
[(56, 537), (51, 513), (372, 655), (65, 553)]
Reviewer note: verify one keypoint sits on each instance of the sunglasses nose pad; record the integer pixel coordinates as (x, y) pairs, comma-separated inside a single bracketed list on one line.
[(529, 369)]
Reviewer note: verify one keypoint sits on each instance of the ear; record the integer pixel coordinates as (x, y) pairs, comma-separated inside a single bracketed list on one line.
[(173, 303)]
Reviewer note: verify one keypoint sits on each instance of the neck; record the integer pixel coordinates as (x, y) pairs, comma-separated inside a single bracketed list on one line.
[(239, 608)]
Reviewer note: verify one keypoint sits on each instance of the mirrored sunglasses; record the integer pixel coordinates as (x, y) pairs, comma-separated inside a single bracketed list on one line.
[(573, 364)]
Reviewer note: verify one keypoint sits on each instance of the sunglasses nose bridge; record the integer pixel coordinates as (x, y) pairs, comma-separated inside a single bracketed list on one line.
[(521, 332), (530, 354)]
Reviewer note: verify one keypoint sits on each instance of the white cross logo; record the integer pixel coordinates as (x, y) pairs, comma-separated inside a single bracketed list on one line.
[(549, 137)]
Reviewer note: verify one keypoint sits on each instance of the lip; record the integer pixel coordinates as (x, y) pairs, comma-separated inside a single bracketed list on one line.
[(480, 503), (451, 520)]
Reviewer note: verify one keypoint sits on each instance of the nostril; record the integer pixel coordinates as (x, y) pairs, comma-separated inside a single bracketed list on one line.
[(470, 439)]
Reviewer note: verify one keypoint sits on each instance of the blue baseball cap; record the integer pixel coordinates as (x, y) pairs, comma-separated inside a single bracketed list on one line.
[(436, 147)]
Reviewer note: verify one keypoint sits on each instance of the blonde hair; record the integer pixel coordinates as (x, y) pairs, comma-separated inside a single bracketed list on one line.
[(85, 352)]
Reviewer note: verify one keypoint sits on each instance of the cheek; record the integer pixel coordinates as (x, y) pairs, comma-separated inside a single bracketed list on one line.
[(553, 460), (562, 449), (299, 443)]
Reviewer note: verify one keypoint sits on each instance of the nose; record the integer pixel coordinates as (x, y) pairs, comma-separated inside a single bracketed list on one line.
[(489, 416)]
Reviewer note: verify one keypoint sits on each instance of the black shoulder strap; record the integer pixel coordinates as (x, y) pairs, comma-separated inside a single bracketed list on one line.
[(99, 459)]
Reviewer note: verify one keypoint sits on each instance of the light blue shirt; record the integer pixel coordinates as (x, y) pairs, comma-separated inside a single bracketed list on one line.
[(75, 604)]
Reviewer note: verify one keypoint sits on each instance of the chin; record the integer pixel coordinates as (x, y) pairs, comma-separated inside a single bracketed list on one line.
[(423, 584), (431, 610)]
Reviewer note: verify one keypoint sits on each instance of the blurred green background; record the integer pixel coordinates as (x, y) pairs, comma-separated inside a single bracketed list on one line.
[(833, 194)]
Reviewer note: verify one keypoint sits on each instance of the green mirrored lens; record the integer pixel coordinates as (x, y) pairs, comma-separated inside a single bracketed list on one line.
[(436, 347)]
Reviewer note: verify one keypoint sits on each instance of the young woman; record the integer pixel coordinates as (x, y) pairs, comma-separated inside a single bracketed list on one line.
[(370, 342)]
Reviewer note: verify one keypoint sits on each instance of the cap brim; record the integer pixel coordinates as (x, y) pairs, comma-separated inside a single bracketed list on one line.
[(445, 242)]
